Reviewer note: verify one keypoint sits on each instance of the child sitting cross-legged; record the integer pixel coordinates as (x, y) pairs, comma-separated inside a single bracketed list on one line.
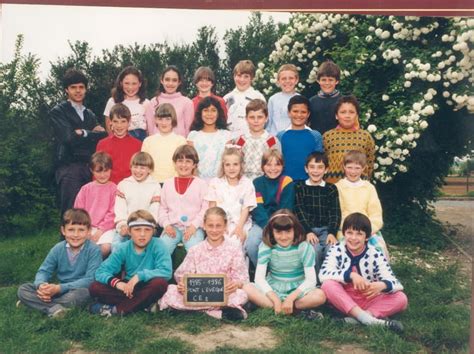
[(98, 199), (146, 266), (290, 286), (73, 262), (215, 255), (358, 280)]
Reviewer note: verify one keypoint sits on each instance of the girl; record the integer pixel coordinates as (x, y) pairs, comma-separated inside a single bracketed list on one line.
[(205, 81), (234, 193), (209, 135), (162, 145), (358, 280), (182, 202), (139, 191), (171, 81), (98, 199), (213, 256), (347, 136), (273, 191), (291, 281), (129, 89)]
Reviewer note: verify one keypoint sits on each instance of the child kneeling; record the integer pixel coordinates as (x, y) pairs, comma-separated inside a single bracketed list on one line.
[(147, 268), (291, 281), (74, 261), (358, 280), (214, 255)]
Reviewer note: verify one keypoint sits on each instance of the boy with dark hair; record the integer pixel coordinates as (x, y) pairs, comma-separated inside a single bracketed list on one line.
[(73, 261), (121, 146), (147, 268), (317, 207), (298, 141), (76, 133), (323, 104)]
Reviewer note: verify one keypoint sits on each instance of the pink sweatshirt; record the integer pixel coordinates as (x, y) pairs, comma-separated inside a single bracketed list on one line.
[(183, 210), (98, 200), (184, 111)]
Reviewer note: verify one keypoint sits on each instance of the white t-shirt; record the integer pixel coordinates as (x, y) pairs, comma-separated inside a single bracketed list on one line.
[(137, 109)]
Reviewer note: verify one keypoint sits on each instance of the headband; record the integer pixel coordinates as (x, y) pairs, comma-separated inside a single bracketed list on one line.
[(141, 222), (230, 146), (277, 215)]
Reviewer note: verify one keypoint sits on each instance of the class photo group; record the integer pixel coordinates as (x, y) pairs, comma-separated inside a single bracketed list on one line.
[(274, 195)]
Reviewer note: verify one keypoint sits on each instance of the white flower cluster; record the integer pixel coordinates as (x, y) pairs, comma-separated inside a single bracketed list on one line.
[(440, 56)]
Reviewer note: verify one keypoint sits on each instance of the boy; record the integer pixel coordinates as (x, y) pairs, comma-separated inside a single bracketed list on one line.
[(287, 80), (76, 132), (358, 280), (317, 207), (239, 97), (120, 145), (257, 141), (358, 195), (74, 261), (204, 79), (298, 140), (147, 268), (323, 104)]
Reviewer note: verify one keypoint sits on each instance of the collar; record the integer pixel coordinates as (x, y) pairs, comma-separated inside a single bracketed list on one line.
[(264, 135), (358, 183), (77, 106), (170, 95), (305, 128), (210, 247), (356, 257), (80, 249), (321, 184), (328, 95), (355, 128)]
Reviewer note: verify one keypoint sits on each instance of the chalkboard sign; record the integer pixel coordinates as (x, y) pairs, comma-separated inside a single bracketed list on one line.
[(205, 290)]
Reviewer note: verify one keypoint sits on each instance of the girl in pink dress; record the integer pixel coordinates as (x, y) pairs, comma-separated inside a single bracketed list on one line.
[(214, 255)]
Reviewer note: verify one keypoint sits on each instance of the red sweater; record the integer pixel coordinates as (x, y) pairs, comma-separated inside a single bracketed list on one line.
[(121, 150)]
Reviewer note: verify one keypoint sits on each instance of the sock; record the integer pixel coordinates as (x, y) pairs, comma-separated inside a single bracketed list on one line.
[(368, 319), (113, 310)]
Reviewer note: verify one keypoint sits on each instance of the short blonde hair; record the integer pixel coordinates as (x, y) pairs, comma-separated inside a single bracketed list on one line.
[(232, 151), (355, 156), (256, 105), (167, 110), (272, 154), (141, 214), (245, 67), (288, 67), (142, 159)]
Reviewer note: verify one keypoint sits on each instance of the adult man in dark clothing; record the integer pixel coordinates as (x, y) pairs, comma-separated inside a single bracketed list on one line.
[(76, 131)]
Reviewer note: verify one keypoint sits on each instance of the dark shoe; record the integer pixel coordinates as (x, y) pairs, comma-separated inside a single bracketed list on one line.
[(394, 325), (311, 315), (249, 307), (103, 310), (232, 314)]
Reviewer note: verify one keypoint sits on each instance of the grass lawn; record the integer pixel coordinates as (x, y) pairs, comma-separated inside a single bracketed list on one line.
[(437, 319)]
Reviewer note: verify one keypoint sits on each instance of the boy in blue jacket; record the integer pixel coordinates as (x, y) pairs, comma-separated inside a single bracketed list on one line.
[(74, 261), (147, 269)]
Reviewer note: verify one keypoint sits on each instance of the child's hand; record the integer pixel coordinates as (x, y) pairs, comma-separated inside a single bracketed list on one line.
[(120, 194), (170, 231), (42, 293), (287, 306), (359, 283), (98, 128), (331, 240), (232, 286), (239, 232), (374, 289), (79, 132), (95, 237), (123, 230), (156, 199), (190, 231), (277, 307), (128, 289), (312, 238), (181, 287)]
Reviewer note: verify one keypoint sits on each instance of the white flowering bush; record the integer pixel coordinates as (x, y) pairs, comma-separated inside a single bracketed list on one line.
[(402, 69)]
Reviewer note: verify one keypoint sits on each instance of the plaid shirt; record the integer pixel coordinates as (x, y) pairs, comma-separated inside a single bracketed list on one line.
[(318, 206)]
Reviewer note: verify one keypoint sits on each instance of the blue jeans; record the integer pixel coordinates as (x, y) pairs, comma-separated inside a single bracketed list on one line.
[(320, 248), (253, 241), (172, 242), (139, 134)]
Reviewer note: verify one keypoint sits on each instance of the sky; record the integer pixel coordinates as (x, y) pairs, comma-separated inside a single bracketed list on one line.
[(47, 28)]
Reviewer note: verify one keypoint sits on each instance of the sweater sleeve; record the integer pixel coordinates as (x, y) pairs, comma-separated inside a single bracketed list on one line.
[(383, 272), (374, 210), (259, 213), (120, 208), (188, 112), (260, 280), (154, 207), (300, 208), (107, 223), (287, 197), (334, 210), (164, 210), (94, 259), (370, 151), (112, 265), (49, 266), (332, 268), (150, 117), (318, 141), (80, 201), (238, 268), (198, 219), (162, 264)]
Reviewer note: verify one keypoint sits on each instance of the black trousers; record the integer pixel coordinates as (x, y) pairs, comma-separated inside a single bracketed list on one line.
[(70, 178)]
